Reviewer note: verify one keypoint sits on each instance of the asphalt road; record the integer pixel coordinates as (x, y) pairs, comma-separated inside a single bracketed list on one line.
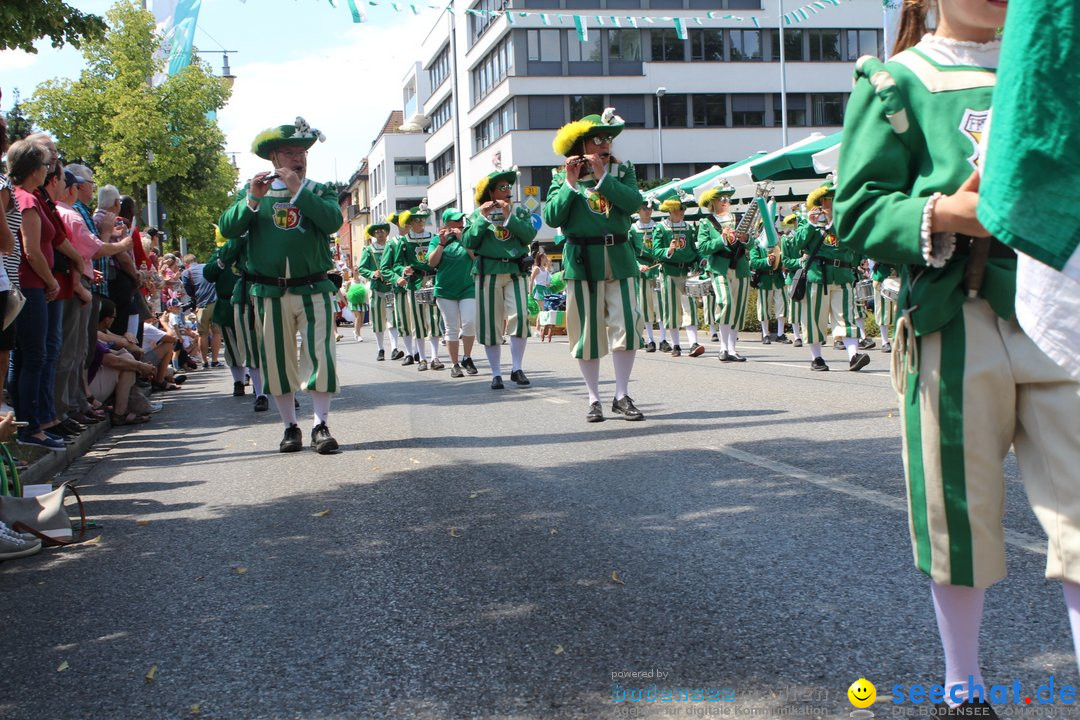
[(755, 525)]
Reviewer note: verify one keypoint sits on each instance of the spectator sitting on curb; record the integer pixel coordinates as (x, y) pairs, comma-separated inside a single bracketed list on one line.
[(158, 347), (113, 372)]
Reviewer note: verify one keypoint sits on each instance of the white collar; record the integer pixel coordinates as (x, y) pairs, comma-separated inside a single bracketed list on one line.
[(960, 52)]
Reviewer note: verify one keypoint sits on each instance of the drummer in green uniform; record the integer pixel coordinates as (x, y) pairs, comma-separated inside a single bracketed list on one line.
[(381, 290), (289, 219), (772, 298), (728, 264), (591, 199), (410, 265), (641, 234), (675, 248)]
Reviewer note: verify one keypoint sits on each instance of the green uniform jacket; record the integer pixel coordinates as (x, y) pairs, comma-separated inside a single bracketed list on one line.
[(388, 261), (412, 251), (822, 270), (642, 238), (888, 170), (594, 210), (225, 275), (759, 260), (286, 239), (493, 242), (717, 253), (790, 259), (683, 260), (369, 263), (454, 275)]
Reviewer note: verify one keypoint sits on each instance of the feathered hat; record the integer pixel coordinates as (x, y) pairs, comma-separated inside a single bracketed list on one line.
[(299, 133), (827, 190), (724, 189), (480, 194), (372, 227), (607, 123)]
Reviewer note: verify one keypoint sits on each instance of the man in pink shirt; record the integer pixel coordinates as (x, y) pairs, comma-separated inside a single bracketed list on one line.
[(71, 402)]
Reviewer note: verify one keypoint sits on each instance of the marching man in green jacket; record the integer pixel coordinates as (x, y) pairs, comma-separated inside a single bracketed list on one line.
[(499, 236), (591, 199), (765, 260), (402, 315), (289, 219), (410, 272), (381, 289), (676, 251), (641, 235), (727, 263)]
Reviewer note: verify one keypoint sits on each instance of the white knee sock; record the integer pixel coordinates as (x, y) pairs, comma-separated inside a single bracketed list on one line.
[(779, 326), (732, 338), (623, 360), (714, 329), (420, 349), (959, 611), (517, 352), (1072, 602), (815, 350), (649, 333), (861, 324), (393, 339), (796, 330), (494, 356), (663, 334), (409, 345), (237, 374), (434, 344), (852, 347), (590, 372), (286, 409), (320, 402), (379, 340), (256, 381), (674, 336), (691, 334)]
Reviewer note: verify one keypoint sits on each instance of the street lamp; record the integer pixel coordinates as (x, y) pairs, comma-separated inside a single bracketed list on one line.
[(660, 92), (226, 71)]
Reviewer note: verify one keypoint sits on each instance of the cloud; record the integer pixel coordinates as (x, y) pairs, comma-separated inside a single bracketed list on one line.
[(346, 91)]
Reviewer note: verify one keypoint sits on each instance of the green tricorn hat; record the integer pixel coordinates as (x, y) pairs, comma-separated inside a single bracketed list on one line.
[(299, 133), (482, 187), (370, 229), (608, 124)]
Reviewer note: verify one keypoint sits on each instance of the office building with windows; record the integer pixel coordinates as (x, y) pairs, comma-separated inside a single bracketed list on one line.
[(496, 90)]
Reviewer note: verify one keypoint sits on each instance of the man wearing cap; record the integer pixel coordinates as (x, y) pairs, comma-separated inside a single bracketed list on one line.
[(410, 271), (289, 219), (455, 291), (728, 263), (675, 249), (370, 267), (591, 199), (641, 234), (828, 273), (499, 236)]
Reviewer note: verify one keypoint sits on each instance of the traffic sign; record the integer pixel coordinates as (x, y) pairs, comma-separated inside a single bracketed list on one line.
[(537, 223)]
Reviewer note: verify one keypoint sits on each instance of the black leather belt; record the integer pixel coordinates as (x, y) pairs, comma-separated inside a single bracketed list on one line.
[(998, 249), (608, 240), (683, 266), (285, 282), (836, 263)]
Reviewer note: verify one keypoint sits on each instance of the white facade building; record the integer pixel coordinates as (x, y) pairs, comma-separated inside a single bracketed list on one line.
[(719, 90)]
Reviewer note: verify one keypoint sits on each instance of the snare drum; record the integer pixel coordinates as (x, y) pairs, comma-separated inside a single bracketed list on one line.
[(425, 295), (699, 287), (388, 300), (890, 289), (864, 292), (658, 285)]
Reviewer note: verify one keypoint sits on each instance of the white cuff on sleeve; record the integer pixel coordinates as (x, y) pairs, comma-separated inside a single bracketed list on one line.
[(937, 248)]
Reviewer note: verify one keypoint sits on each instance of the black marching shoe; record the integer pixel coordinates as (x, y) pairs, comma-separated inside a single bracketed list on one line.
[(766, 340), (422, 366), (293, 440), (696, 350), (838, 344), (322, 440), (416, 357), (455, 372), (650, 347), (737, 357), (858, 362), (595, 414), (238, 389), (469, 365), (783, 339), (381, 356), (715, 337), (397, 355), (725, 356), (408, 361), (676, 351), (886, 347), (518, 376), (665, 346), (819, 365), (497, 383), (867, 344), (797, 343), (437, 365), (262, 403), (625, 406)]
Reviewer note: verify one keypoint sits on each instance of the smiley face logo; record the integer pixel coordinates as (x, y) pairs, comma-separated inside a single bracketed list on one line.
[(862, 693)]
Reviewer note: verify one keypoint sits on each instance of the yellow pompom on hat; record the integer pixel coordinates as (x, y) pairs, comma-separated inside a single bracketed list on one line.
[(724, 189), (299, 133), (607, 123), (673, 204), (219, 239), (482, 187), (369, 231), (827, 190), (791, 219)]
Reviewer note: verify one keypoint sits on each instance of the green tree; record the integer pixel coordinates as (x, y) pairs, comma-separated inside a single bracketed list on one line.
[(132, 133), (19, 126), (24, 21)]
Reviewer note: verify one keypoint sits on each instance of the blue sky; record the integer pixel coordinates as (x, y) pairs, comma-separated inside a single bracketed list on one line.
[(295, 57)]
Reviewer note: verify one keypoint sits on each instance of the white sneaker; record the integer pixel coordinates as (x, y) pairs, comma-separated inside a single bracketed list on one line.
[(5, 529), (15, 545)]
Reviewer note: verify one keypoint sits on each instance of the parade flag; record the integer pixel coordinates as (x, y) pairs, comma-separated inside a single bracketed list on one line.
[(357, 13), (582, 26), (680, 29), (545, 19), (176, 19)]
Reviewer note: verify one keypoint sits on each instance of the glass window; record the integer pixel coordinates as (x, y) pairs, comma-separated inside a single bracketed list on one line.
[(796, 110), (863, 42), (587, 51), (793, 45), (828, 109), (494, 126), (443, 165), (707, 45), (547, 112), (484, 18), (631, 108), (710, 110), (745, 45), (673, 110), (543, 45), (824, 45), (748, 110), (666, 46), (624, 45), (582, 105), (439, 70), (441, 115), (410, 172), (495, 66)]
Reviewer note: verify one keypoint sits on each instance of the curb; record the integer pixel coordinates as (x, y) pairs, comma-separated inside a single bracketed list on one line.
[(43, 470)]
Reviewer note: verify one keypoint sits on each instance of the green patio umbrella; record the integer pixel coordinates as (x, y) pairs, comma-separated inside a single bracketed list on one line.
[(797, 163)]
